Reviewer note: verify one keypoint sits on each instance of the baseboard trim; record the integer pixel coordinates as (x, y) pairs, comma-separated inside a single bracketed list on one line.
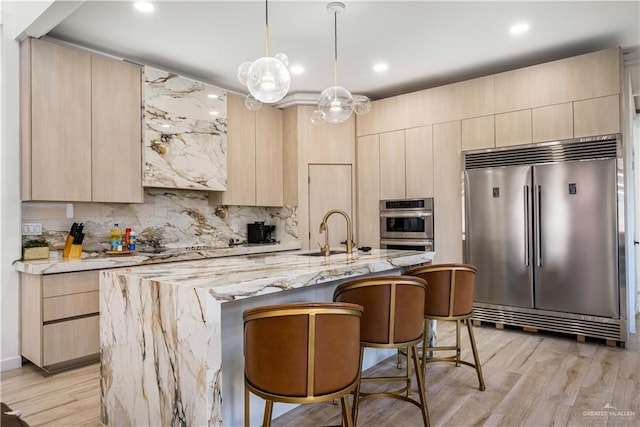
[(10, 363)]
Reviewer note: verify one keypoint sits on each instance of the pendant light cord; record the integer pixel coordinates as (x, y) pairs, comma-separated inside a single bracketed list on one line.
[(266, 26), (335, 48)]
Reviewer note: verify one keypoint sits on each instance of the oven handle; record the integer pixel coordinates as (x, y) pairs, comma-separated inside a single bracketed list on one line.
[(405, 214), (406, 242)]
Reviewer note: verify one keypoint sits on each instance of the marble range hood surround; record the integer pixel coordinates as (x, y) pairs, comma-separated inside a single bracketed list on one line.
[(185, 133)]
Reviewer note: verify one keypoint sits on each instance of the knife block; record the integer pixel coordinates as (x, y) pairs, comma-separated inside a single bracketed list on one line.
[(67, 247), (75, 252)]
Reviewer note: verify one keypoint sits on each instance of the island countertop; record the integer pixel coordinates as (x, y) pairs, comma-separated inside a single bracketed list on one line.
[(237, 277), (171, 334)]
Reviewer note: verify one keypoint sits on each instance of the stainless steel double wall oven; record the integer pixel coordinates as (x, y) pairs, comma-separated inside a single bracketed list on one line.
[(407, 224)]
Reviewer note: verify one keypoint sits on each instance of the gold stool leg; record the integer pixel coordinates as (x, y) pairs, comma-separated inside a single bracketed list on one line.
[(347, 419), (475, 355), (457, 342), (247, 412), (425, 345), (268, 410), (421, 387), (356, 394)]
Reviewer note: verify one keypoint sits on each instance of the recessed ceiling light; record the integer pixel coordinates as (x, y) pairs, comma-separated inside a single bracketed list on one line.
[(380, 67), (296, 69), (519, 28), (213, 96), (213, 113), (144, 6), (166, 125)]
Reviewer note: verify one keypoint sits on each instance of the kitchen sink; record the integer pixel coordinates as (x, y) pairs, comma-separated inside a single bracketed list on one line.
[(321, 254)]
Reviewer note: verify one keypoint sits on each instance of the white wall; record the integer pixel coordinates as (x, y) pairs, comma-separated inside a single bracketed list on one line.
[(9, 196), (16, 17)]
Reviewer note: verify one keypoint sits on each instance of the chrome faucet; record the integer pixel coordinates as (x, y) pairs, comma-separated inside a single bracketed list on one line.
[(325, 228)]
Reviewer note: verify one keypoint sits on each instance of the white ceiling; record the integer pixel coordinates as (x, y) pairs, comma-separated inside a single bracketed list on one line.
[(426, 44)]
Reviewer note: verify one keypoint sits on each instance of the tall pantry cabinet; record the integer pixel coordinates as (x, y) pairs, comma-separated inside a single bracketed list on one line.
[(80, 125)]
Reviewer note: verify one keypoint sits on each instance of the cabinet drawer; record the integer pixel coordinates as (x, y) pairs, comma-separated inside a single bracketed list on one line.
[(69, 283), (64, 306), (70, 340)]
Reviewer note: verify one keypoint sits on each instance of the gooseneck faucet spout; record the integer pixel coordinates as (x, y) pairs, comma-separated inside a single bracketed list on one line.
[(325, 228)]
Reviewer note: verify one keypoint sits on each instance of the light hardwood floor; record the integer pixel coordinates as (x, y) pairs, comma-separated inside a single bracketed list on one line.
[(532, 380)]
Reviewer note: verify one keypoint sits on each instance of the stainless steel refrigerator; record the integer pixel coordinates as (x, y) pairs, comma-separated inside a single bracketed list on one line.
[(541, 225)]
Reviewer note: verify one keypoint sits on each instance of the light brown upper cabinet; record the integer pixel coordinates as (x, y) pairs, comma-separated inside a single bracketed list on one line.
[(478, 133), (592, 75), (80, 125), (406, 163), (392, 165), (513, 128), (418, 144), (269, 185), (116, 167), (254, 156), (552, 123), (597, 116)]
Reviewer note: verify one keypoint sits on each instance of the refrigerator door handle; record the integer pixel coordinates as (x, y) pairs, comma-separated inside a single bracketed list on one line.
[(538, 243), (527, 237)]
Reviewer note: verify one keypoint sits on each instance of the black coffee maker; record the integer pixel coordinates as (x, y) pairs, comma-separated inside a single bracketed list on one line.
[(258, 232)]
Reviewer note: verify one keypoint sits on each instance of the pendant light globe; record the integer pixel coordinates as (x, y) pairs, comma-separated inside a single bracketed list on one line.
[(268, 79), (335, 104)]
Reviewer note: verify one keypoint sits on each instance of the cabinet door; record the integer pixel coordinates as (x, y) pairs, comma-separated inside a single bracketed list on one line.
[(241, 154), (447, 183), (368, 181), (552, 123), (60, 123), (597, 116), (513, 128), (269, 157), (419, 162), (329, 188), (392, 165), (478, 133), (116, 131)]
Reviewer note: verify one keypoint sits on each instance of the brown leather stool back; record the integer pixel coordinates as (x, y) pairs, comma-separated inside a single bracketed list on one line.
[(449, 289), (449, 296), (301, 352), (393, 318), (392, 307)]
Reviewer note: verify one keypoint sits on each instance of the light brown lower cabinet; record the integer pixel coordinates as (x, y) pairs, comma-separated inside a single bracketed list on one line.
[(60, 319)]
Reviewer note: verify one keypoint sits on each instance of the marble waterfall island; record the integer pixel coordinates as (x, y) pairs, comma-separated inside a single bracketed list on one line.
[(171, 334)]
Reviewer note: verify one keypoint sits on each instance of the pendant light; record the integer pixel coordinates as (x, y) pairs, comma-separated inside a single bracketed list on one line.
[(267, 78), (336, 103)]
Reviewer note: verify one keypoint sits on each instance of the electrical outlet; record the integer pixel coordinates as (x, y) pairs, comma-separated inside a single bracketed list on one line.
[(32, 229), (234, 227)]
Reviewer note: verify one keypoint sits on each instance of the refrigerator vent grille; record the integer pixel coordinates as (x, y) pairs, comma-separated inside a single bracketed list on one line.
[(587, 327), (548, 153)]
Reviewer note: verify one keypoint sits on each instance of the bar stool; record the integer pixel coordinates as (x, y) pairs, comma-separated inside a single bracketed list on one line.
[(393, 318), (301, 353), (449, 296)]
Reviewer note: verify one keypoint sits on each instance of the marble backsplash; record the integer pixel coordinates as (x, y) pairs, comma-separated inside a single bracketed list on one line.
[(167, 218)]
